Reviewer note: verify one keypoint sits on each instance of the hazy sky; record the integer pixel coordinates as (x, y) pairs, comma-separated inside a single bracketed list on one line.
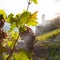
[(50, 8)]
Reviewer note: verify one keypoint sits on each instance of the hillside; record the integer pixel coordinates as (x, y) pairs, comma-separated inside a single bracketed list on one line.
[(47, 41)]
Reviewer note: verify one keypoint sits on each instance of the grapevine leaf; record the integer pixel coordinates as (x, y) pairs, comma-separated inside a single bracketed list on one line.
[(13, 26), (11, 18), (17, 17), (34, 15), (9, 43), (24, 17), (28, 53), (11, 15), (35, 1), (32, 19), (20, 56), (3, 13), (32, 23), (12, 22), (14, 35), (22, 29), (5, 56)]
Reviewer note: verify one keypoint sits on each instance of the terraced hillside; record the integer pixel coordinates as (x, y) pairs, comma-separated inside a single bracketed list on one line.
[(47, 44)]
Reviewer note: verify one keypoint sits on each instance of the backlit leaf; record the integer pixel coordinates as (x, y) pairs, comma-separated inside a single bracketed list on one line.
[(14, 34), (9, 43), (24, 17), (13, 26), (32, 19), (32, 23), (17, 19), (35, 1), (34, 14), (3, 13), (20, 56), (11, 18)]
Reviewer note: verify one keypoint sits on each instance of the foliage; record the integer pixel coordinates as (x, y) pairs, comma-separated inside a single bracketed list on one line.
[(53, 51), (48, 50), (22, 20), (8, 40), (21, 54), (3, 13), (35, 1), (32, 19), (48, 35)]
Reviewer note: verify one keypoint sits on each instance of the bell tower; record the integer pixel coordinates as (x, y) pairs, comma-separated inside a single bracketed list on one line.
[(43, 17)]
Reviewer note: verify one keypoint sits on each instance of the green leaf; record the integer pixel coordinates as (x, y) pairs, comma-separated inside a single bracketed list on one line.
[(13, 26), (32, 23), (9, 43), (11, 18), (12, 39), (5, 57), (24, 17), (35, 1), (17, 17), (20, 56), (14, 35), (28, 53), (3, 13), (11, 15), (32, 19)]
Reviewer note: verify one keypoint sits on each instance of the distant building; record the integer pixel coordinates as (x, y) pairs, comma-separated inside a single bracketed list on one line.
[(43, 17), (48, 25), (39, 28)]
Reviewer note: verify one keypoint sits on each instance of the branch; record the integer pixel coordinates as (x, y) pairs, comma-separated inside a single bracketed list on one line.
[(12, 49), (28, 5)]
